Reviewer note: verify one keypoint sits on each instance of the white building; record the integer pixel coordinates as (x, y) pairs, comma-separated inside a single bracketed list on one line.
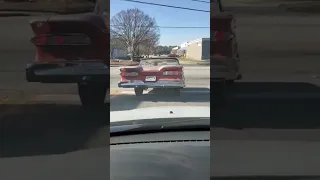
[(118, 53), (183, 45)]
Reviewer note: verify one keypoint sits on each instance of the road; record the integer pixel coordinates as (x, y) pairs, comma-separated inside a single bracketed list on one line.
[(197, 92), (281, 68), (279, 56)]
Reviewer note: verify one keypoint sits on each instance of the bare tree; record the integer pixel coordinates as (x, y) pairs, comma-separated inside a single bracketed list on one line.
[(149, 45), (133, 27)]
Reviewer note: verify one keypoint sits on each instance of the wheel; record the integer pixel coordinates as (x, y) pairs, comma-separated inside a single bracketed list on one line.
[(138, 91), (92, 94), (218, 92)]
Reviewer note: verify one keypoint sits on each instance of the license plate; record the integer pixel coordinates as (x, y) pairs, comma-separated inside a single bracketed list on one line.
[(151, 78)]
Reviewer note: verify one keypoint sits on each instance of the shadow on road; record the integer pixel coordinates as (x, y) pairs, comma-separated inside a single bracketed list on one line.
[(286, 113), (188, 95), (255, 87), (28, 130)]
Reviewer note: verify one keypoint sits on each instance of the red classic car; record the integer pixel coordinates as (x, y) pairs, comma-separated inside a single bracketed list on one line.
[(172, 55), (225, 60), (73, 49), (157, 73)]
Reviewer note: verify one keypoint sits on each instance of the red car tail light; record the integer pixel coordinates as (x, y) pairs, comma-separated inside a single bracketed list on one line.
[(40, 40), (219, 36), (60, 40), (222, 36), (66, 39), (40, 27), (172, 73)]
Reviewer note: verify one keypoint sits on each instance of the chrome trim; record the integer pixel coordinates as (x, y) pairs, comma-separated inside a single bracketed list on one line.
[(96, 69), (158, 84)]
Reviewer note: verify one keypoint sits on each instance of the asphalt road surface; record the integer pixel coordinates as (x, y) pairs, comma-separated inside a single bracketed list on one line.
[(280, 63), (196, 93)]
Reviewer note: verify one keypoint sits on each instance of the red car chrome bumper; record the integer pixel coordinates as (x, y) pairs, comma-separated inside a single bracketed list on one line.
[(225, 68), (53, 73), (158, 84)]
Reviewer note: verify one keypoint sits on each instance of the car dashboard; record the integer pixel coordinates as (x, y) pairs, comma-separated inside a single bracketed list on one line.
[(170, 155)]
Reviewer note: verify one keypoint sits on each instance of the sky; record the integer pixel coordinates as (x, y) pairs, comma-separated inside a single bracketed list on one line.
[(166, 16)]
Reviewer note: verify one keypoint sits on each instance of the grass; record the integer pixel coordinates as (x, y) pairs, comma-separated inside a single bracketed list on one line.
[(193, 61), (188, 60)]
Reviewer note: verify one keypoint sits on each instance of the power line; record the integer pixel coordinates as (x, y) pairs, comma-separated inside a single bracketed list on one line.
[(201, 1), (174, 27), (164, 5)]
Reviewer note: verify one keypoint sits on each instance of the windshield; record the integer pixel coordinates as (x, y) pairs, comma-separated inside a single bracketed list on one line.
[(159, 62), (169, 48), (67, 67)]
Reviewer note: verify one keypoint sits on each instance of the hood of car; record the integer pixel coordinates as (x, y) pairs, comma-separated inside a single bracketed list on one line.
[(161, 112)]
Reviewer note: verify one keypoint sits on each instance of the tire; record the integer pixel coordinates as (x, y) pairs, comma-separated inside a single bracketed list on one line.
[(218, 93), (92, 94), (138, 91)]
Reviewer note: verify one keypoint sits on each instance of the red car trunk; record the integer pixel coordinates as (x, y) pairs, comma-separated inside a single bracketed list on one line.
[(71, 38), (142, 72), (224, 37)]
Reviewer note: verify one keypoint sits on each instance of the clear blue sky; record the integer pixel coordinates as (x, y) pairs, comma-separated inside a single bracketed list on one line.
[(166, 16)]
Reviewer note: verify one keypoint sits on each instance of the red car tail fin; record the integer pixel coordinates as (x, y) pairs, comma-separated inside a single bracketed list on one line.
[(172, 68), (223, 40), (40, 27)]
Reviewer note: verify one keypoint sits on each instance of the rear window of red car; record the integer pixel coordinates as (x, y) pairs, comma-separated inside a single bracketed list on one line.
[(159, 62)]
